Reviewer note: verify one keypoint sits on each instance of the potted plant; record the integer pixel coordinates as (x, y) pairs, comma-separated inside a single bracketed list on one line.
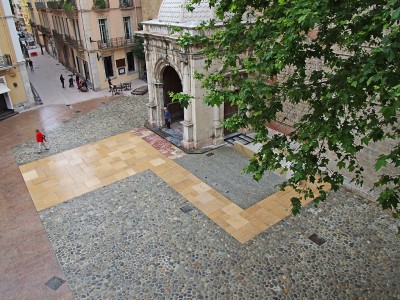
[(100, 4)]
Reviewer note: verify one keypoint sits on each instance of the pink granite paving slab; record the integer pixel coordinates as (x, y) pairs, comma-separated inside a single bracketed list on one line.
[(162, 145)]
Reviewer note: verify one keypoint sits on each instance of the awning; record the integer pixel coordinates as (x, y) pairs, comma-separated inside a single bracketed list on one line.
[(4, 88)]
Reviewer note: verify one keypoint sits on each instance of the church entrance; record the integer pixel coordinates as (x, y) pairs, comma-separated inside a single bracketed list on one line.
[(172, 83)]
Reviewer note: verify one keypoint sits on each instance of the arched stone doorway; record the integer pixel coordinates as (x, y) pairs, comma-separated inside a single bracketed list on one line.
[(172, 83)]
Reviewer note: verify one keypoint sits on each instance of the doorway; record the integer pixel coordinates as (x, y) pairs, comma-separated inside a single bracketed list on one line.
[(229, 110), (172, 83), (3, 103), (108, 66)]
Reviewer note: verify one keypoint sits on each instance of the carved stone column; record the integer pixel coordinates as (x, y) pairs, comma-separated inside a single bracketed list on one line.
[(218, 130), (152, 104), (187, 141), (158, 109)]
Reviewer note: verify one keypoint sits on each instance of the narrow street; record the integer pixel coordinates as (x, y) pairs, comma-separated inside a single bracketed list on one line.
[(45, 78)]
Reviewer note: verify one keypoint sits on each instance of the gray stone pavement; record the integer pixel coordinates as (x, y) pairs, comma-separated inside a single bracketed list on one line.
[(110, 119), (46, 80), (131, 240), (221, 169)]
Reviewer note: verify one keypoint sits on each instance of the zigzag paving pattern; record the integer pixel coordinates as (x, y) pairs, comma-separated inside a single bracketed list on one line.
[(64, 176)]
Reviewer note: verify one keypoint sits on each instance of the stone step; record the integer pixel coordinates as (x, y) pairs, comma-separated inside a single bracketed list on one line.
[(7, 114)]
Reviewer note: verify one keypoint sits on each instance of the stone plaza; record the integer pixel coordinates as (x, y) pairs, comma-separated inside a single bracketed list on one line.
[(139, 238)]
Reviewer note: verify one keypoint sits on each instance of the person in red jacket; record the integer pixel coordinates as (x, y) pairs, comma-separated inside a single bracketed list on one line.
[(41, 139)]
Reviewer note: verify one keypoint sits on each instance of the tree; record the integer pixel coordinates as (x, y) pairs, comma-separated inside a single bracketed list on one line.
[(352, 99), (138, 45)]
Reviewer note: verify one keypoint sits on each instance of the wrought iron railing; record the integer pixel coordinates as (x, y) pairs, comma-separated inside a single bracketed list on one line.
[(101, 4), (114, 43), (43, 29), (55, 4), (58, 36), (77, 44), (40, 5), (126, 3), (5, 61)]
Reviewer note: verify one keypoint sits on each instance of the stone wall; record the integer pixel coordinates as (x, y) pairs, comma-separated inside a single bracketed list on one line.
[(150, 9), (292, 114)]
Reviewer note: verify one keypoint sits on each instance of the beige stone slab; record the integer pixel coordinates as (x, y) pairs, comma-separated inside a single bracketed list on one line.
[(232, 209), (246, 233), (206, 198), (92, 182), (237, 221), (30, 175), (211, 206), (201, 187), (157, 162), (119, 165)]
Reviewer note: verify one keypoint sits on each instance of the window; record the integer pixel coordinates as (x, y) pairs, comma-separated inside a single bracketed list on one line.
[(131, 61), (127, 27), (120, 63), (78, 64), (76, 28), (86, 68), (103, 30), (108, 67)]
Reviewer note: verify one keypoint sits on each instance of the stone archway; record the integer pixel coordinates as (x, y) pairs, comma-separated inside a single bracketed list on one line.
[(172, 83)]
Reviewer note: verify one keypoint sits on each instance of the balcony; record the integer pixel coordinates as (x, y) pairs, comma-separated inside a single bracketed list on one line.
[(115, 43), (70, 8), (58, 36), (55, 4), (77, 44), (126, 4), (5, 61), (40, 5), (101, 4), (43, 29)]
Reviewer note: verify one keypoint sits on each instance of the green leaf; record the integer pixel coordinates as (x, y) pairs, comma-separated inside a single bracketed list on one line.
[(381, 162)]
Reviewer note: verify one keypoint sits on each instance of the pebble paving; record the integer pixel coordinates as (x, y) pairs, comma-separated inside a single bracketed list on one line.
[(112, 118), (131, 240)]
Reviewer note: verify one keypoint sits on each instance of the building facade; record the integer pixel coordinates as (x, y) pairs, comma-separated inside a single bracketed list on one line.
[(171, 68), (91, 37), (15, 90)]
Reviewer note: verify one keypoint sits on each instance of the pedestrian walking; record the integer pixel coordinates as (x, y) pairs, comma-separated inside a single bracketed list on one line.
[(77, 78), (62, 80), (71, 82), (30, 62), (167, 117), (41, 139)]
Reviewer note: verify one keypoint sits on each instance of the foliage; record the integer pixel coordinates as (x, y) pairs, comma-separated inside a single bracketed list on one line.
[(68, 6), (138, 47), (353, 100), (183, 99), (100, 4)]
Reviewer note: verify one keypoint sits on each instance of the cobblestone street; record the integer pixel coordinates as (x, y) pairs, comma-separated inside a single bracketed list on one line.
[(132, 240)]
